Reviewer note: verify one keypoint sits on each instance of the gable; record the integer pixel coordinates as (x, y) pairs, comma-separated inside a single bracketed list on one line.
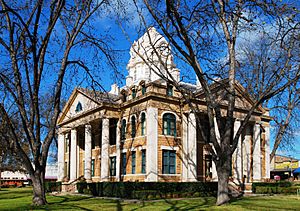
[(243, 99), (77, 104)]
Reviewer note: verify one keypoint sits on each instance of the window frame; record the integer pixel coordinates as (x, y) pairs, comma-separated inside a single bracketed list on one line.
[(123, 129), (124, 162), (133, 162), (143, 162), (93, 168), (112, 166), (78, 107), (169, 161), (133, 93), (169, 91), (143, 89), (133, 126), (143, 123), (169, 124)]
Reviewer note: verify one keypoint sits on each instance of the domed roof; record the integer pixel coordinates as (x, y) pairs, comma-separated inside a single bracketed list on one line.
[(143, 48), (150, 58)]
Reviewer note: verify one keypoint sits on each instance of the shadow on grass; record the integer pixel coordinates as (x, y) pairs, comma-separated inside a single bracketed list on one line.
[(180, 204), (184, 205)]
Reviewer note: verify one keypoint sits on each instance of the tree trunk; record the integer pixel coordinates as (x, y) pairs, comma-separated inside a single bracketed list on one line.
[(39, 196), (223, 170)]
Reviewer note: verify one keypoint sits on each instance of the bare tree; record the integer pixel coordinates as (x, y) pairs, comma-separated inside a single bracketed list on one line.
[(257, 61), (204, 32), (40, 41)]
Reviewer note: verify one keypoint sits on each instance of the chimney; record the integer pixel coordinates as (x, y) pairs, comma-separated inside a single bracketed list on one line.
[(114, 89)]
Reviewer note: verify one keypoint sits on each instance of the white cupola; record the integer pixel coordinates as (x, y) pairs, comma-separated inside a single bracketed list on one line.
[(148, 56)]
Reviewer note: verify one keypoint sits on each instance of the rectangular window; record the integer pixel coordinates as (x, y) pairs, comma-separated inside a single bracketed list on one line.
[(123, 130), (169, 90), (124, 160), (172, 131), (93, 168), (133, 93), (143, 161), (143, 124), (112, 131), (112, 168), (169, 161), (133, 163), (143, 89)]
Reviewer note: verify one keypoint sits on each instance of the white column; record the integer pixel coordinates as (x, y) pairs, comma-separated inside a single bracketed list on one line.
[(267, 151), (247, 154), (152, 142), (104, 150), (237, 155), (192, 148), (88, 152), (73, 157), (118, 149), (256, 153), (61, 156), (214, 169), (217, 130), (214, 172), (184, 148)]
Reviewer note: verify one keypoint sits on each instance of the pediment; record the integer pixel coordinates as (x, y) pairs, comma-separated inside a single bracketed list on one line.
[(243, 99), (78, 104)]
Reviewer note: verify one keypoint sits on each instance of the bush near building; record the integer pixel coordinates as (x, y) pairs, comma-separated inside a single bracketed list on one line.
[(52, 187), (148, 190), (284, 187)]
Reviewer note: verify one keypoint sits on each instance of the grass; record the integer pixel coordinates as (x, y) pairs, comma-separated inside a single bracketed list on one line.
[(20, 199)]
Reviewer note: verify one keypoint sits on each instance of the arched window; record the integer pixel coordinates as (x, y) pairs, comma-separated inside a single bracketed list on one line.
[(78, 107), (133, 126), (143, 124), (169, 124), (123, 130)]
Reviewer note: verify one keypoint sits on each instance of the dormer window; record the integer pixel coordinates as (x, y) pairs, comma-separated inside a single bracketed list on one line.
[(78, 107), (169, 90)]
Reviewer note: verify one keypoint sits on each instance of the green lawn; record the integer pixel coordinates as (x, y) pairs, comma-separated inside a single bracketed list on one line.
[(20, 199)]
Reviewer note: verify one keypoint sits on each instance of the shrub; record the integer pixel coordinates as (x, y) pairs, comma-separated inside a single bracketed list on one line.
[(52, 187), (148, 190), (284, 187)]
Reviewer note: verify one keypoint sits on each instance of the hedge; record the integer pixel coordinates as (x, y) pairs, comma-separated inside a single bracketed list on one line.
[(148, 190), (284, 187), (52, 187)]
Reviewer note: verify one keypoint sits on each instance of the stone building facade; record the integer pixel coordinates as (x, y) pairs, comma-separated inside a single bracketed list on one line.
[(146, 131)]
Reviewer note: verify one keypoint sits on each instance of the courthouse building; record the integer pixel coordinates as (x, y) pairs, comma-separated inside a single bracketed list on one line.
[(146, 130)]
